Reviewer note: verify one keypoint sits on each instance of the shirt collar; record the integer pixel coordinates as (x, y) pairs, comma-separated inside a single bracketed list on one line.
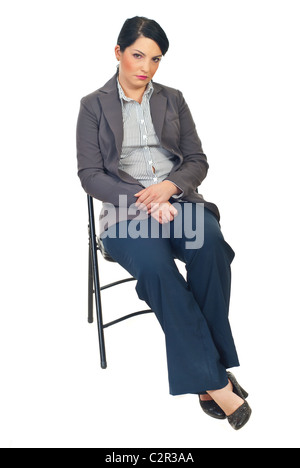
[(148, 92)]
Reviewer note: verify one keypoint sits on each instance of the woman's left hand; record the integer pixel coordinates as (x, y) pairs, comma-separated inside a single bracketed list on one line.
[(157, 193), (163, 212)]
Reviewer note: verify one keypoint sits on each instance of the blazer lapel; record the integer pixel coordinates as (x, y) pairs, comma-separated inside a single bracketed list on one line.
[(158, 106), (112, 109)]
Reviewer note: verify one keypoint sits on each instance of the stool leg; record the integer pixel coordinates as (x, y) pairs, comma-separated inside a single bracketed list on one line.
[(96, 281), (99, 308), (90, 288)]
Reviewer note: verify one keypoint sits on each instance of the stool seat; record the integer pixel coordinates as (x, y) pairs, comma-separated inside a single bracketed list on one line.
[(104, 253)]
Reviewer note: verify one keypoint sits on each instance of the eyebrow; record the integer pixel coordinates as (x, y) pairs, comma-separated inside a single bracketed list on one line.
[(142, 53)]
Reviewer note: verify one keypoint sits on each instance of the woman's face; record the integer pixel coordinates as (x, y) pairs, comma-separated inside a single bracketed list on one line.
[(138, 63)]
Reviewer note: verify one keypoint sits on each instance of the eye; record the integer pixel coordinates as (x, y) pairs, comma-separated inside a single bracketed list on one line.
[(157, 60), (137, 56)]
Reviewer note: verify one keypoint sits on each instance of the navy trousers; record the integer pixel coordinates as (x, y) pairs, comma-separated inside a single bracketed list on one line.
[(192, 311)]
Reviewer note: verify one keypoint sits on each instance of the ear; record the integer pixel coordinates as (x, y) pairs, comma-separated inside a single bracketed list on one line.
[(118, 52)]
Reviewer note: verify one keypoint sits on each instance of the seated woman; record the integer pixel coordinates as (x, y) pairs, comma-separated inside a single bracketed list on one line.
[(140, 154)]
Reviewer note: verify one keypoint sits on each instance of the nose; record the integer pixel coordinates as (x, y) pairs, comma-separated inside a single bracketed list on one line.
[(146, 66)]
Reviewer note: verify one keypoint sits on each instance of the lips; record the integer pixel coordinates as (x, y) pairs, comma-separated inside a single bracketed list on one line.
[(142, 77)]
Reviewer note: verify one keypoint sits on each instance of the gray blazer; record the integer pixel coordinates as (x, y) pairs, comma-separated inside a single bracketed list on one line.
[(100, 137)]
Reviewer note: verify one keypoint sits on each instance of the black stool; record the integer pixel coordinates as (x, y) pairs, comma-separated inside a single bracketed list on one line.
[(96, 244)]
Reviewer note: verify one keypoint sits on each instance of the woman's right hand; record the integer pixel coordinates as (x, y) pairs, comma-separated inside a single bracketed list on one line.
[(163, 212)]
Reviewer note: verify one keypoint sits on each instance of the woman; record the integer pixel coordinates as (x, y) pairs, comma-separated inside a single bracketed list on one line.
[(138, 148)]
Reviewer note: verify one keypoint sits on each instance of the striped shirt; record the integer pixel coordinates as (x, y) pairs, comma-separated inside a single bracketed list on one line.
[(142, 154)]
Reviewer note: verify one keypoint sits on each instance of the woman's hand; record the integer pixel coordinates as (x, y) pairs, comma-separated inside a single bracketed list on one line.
[(157, 193), (163, 212), (155, 200)]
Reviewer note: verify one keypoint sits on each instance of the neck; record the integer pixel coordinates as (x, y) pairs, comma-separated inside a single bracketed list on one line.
[(133, 93)]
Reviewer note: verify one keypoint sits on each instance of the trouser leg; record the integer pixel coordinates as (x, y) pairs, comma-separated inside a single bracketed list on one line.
[(193, 360), (209, 279)]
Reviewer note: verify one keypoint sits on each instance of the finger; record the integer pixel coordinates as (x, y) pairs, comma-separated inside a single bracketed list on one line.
[(148, 201), (164, 216), (173, 211), (153, 207), (169, 217), (165, 219), (140, 204), (144, 198), (156, 217), (141, 207), (140, 193)]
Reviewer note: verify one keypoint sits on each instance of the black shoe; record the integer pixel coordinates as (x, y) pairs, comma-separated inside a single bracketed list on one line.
[(242, 415), (211, 408), (238, 390)]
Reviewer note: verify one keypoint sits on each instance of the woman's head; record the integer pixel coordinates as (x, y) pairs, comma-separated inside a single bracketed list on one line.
[(141, 45), (139, 26)]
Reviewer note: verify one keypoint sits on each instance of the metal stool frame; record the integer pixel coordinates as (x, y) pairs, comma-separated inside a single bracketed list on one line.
[(94, 287)]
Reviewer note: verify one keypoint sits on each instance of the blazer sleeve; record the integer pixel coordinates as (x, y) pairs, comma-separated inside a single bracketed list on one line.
[(194, 167), (91, 171)]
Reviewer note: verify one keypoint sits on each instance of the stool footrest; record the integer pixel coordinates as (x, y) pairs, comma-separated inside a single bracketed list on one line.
[(116, 283), (125, 317)]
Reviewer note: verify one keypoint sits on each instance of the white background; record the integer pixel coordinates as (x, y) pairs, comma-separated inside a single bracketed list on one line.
[(237, 63)]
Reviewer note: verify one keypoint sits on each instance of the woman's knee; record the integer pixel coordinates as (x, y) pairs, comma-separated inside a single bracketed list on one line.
[(156, 269), (214, 241)]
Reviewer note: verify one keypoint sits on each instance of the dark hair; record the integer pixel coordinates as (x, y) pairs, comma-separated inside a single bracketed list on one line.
[(139, 26)]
